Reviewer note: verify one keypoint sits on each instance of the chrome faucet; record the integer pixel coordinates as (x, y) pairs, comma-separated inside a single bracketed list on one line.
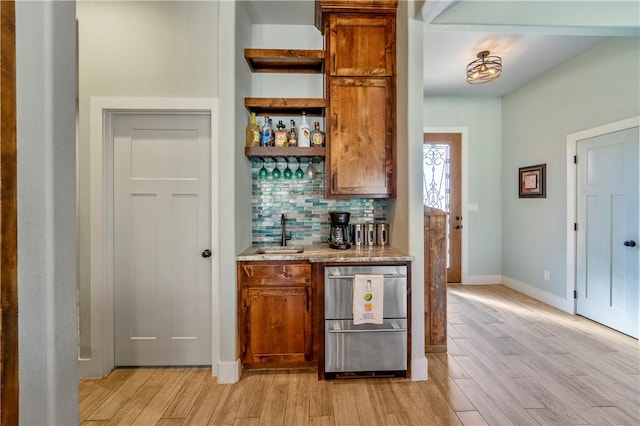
[(283, 232)]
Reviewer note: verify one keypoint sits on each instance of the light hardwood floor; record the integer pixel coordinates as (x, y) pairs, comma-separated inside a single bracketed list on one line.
[(511, 360)]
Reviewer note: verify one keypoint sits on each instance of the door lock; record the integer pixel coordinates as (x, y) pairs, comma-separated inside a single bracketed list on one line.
[(629, 243), (206, 253)]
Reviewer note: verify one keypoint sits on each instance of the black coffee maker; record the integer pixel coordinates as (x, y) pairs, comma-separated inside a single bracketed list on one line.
[(339, 232)]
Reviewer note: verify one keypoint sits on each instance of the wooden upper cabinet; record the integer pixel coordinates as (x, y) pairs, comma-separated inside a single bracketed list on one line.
[(360, 161), (360, 91), (361, 45)]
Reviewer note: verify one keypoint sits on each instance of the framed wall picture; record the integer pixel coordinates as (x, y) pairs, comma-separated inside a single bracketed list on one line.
[(532, 181)]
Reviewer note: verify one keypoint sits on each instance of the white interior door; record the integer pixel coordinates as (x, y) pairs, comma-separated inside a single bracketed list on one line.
[(162, 226), (608, 230)]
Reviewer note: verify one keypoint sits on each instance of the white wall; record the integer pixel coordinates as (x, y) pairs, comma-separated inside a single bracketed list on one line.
[(137, 49), (46, 100), (482, 229), (599, 86), (405, 211)]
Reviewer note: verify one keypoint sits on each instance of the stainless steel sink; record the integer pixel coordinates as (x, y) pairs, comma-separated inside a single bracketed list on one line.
[(280, 250)]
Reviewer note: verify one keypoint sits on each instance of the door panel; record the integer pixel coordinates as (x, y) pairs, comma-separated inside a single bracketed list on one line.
[(184, 273), (279, 324), (361, 158), (162, 223), (442, 174), (362, 46), (607, 206)]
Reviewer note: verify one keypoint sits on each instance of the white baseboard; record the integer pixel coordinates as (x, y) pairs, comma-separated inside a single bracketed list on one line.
[(541, 295), (229, 372), (86, 369), (482, 279), (89, 368), (419, 369)]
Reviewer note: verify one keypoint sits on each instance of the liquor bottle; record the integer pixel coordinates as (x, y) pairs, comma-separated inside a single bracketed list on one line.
[(304, 134), (317, 135), (293, 134), (253, 131), (280, 135), (271, 133), (266, 132)]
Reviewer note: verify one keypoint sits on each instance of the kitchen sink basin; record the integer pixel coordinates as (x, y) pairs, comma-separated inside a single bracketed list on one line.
[(280, 250)]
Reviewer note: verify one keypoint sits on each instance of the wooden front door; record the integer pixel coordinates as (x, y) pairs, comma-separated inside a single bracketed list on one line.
[(442, 167)]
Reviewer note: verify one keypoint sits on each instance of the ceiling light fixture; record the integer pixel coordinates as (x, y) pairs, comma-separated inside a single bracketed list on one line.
[(484, 69)]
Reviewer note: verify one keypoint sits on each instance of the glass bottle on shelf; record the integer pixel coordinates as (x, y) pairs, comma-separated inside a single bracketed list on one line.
[(253, 131), (280, 135), (317, 135), (272, 137), (304, 135), (293, 134), (265, 140)]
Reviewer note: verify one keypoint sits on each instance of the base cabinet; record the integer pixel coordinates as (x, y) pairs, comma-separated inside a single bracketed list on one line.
[(275, 314)]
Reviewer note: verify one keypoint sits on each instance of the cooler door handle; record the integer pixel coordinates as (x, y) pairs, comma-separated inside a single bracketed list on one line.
[(373, 330)]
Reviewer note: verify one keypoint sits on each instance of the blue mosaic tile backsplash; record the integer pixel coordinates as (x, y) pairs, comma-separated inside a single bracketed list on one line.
[(303, 203)]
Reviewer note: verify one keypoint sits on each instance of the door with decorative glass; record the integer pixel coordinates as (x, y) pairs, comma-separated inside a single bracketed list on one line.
[(441, 161)]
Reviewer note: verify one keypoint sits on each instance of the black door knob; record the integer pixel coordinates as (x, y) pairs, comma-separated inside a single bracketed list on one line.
[(458, 226), (629, 243), (206, 253), (458, 217)]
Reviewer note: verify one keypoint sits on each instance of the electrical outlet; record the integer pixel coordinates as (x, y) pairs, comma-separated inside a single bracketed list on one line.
[(547, 275)]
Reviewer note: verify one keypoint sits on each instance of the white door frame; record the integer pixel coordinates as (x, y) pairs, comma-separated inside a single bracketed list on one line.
[(102, 110), (572, 200)]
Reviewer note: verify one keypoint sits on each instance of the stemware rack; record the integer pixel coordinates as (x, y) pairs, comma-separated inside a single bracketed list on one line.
[(287, 154)]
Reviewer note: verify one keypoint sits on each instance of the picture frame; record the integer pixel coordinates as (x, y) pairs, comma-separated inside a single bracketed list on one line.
[(532, 181)]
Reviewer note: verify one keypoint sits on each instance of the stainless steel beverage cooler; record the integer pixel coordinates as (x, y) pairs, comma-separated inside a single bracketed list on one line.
[(365, 349)]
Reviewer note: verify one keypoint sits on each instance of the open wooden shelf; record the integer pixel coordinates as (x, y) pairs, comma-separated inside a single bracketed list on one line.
[(262, 152), (285, 60), (286, 106)]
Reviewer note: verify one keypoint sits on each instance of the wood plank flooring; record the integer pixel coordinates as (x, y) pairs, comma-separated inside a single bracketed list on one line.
[(511, 361)]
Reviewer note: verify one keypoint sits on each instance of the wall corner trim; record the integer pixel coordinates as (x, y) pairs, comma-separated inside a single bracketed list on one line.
[(229, 372), (419, 369)]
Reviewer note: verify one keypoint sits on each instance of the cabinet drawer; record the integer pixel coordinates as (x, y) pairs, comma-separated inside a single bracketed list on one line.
[(274, 274)]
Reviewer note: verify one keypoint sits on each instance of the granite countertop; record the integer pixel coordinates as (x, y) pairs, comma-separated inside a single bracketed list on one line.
[(322, 253)]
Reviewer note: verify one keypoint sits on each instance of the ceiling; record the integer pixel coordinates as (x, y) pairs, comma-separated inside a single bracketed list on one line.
[(531, 36)]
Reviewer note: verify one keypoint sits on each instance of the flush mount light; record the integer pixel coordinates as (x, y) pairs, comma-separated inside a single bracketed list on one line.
[(484, 69)]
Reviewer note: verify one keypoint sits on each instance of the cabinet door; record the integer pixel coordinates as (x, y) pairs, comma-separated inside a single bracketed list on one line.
[(361, 138), (361, 46), (278, 325)]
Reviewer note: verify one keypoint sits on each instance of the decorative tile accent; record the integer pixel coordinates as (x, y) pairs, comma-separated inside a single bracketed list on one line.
[(303, 204)]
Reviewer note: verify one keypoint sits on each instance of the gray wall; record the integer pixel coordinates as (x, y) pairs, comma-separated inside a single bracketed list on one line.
[(482, 116), (46, 92), (599, 86), (137, 49)]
